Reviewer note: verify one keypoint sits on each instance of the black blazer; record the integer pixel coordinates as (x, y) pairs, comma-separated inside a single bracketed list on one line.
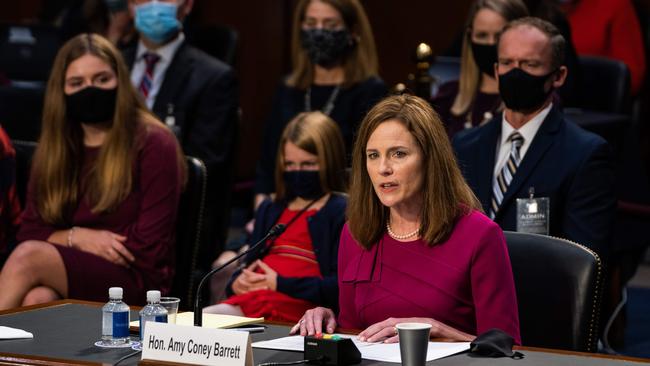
[(325, 231), (204, 94), (569, 165)]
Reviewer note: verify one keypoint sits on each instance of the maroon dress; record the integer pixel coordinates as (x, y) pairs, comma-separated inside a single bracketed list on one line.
[(146, 217)]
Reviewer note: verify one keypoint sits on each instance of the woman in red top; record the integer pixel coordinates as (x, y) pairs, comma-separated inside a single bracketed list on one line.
[(104, 189), (609, 28), (289, 275)]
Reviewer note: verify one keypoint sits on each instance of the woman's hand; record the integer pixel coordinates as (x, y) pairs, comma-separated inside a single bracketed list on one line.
[(313, 320), (387, 332), (249, 280), (103, 243)]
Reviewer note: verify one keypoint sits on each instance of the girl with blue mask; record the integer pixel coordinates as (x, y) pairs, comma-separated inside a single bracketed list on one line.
[(157, 20)]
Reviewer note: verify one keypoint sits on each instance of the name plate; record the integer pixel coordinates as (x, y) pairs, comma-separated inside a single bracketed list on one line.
[(196, 345)]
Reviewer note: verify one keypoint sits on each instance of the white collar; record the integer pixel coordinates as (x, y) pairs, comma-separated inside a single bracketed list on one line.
[(528, 130), (165, 52)]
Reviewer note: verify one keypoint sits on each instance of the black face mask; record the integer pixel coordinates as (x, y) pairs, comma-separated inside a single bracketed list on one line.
[(91, 105), (522, 91), (485, 56), (326, 47), (303, 183)]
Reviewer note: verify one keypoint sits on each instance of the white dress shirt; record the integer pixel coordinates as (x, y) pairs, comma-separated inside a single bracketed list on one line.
[(166, 54), (528, 131)]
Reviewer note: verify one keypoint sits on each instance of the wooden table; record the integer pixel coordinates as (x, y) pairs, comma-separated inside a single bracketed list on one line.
[(64, 333)]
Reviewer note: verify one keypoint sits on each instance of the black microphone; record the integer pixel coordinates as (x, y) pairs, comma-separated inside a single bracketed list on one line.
[(198, 313)]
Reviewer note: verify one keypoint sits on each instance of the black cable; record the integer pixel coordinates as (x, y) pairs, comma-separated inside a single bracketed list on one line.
[(320, 359), (129, 355)]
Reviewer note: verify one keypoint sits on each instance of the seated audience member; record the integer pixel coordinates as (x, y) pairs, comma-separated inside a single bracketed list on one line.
[(550, 11), (608, 28), (334, 71), (416, 246), (296, 271), (109, 18), (195, 94), (9, 205), (474, 98), (104, 188), (532, 148)]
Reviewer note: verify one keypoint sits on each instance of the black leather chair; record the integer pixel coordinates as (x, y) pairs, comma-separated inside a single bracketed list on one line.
[(604, 103), (216, 40), (28, 51), (442, 70), (559, 288), (190, 243), (24, 153), (21, 108), (605, 86)]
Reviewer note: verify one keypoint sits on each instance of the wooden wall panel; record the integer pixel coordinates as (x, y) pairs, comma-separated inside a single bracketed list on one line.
[(263, 54), (263, 58)]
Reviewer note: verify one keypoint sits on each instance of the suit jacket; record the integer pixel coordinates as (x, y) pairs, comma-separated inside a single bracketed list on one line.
[(571, 166), (204, 94)]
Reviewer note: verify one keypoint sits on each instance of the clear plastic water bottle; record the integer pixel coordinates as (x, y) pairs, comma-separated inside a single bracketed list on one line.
[(153, 312), (115, 319)]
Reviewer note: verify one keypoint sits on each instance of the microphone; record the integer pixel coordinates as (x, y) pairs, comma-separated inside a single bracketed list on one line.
[(274, 232)]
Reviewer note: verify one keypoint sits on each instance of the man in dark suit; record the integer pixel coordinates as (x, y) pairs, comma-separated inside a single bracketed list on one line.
[(532, 148), (193, 93)]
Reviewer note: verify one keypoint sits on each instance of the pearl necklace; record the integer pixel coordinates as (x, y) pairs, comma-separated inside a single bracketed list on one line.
[(400, 237)]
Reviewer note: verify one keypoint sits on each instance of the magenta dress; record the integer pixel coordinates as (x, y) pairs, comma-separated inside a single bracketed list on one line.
[(465, 282), (146, 217)]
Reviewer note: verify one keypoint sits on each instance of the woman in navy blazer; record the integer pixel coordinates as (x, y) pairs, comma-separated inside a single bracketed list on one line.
[(289, 274)]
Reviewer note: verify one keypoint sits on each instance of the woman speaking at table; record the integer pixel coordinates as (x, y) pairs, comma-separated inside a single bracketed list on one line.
[(416, 246)]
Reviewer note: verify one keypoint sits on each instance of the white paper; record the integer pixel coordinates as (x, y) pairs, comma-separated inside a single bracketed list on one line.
[(369, 351), (14, 333)]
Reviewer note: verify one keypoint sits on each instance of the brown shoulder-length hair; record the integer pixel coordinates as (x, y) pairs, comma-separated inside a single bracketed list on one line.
[(58, 158), (359, 64), (317, 134), (445, 197), (470, 76)]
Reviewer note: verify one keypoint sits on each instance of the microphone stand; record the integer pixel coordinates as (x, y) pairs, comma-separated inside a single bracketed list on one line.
[(198, 313)]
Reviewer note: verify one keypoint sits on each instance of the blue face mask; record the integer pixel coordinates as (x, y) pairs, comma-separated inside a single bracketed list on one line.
[(157, 20)]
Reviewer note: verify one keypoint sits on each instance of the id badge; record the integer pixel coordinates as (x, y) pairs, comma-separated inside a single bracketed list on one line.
[(533, 215)]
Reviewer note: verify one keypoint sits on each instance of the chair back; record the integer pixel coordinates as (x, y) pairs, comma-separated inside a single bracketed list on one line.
[(24, 154), (28, 51), (21, 109), (189, 233), (605, 85), (216, 40), (444, 69), (559, 287)]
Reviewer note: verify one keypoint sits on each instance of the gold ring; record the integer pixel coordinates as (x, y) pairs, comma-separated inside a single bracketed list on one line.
[(395, 329)]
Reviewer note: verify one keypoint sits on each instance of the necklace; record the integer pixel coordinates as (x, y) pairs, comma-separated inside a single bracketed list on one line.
[(400, 237), (329, 105)]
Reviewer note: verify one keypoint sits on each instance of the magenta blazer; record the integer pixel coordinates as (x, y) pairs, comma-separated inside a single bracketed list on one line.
[(465, 282)]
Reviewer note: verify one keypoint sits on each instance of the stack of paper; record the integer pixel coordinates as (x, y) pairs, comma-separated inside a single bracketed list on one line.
[(14, 333), (370, 351)]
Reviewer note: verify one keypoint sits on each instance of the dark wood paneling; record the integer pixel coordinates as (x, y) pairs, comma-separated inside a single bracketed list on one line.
[(399, 26), (263, 55)]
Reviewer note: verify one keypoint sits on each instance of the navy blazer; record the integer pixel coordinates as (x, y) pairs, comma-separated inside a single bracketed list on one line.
[(203, 93), (569, 165), (325, 231)]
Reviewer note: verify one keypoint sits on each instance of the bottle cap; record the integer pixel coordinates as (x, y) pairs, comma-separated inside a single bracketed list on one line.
[(153, 296), (115, 292)]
